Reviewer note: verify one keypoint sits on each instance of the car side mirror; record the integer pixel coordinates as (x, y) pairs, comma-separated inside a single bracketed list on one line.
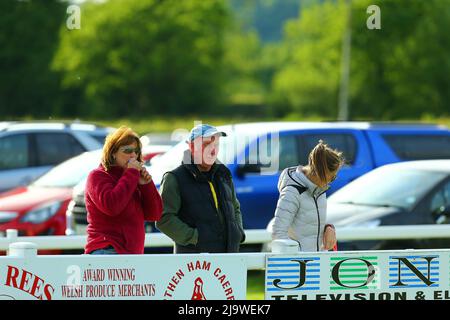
[(443, 215), (244, 169)]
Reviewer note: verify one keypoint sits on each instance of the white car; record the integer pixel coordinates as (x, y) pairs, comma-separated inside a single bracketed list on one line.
[(30, 149)]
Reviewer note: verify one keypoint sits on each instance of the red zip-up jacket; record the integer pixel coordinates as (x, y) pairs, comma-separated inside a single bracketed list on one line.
[(117, 207)]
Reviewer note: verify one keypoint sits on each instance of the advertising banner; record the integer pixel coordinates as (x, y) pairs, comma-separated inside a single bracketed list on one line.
[(371, 275), (162, 277)]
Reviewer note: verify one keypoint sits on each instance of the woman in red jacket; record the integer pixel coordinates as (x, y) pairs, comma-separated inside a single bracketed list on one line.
[(120, 196)]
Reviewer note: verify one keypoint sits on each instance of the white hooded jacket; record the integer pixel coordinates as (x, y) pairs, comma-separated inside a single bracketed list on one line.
[(301, 210)]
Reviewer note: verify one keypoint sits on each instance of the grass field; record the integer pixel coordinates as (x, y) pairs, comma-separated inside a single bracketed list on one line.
[(169, 124), (146, 125), (143, 126), (255, 285)]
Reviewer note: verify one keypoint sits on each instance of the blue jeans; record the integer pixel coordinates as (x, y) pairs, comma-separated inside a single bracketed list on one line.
[(107, 250)]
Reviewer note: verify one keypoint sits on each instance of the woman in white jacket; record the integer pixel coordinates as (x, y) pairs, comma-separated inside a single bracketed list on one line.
[(301, 209)]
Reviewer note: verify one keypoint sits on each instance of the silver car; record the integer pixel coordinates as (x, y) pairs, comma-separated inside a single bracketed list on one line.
[(30, 149)]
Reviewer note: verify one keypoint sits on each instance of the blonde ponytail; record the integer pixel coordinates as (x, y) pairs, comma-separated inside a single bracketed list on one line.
[(323, 160)]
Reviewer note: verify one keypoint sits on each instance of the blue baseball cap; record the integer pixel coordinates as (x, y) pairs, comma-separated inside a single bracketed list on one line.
[(204, 131)]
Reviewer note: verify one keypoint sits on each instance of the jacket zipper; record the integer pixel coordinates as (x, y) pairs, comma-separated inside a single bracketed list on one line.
[(218, 195), (318, 217)]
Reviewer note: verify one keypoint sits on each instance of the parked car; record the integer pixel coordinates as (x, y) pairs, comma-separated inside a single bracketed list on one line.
[(407, 193), (151, 151), (256, 153), (40, 208), (155, 144), (76, 214), (28, 150)]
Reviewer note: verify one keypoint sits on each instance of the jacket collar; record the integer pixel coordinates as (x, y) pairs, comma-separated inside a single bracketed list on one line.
[(312, 187), (116, 171), (188, 163)]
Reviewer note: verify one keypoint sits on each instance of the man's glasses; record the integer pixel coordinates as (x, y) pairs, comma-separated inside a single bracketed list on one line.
[(130, 150)]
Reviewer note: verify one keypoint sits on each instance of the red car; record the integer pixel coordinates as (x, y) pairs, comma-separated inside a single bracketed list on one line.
[(154, 144), (40, 208), (151, 151)]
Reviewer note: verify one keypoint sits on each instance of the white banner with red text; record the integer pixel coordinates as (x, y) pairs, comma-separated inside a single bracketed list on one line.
[(122, 277)]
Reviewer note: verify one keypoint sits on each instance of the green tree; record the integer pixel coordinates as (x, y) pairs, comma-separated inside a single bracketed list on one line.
[(266, 17), (400, 71), (242, 61), (307, 84), (145, 57), (28, 39), (252, 54)]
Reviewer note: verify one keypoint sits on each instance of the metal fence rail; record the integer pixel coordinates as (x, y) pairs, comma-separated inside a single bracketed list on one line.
[(252, 236)]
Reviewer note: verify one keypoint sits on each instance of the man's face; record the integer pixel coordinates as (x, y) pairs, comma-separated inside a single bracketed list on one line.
[(205, 150)]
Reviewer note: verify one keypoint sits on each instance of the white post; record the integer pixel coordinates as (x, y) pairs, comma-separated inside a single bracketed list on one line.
[(11, 235), (22, 250), (285, 246), (343, 104)]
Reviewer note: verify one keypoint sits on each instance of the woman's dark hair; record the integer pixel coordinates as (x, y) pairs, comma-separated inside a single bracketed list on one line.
[(323, 160)]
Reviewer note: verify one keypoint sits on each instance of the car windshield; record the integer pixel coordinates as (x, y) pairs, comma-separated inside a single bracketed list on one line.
[(388, 186), (70, 172), (228, 148)]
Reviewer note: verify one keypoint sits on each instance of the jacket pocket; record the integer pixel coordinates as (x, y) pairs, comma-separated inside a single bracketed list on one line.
[(236, 237), (209, 239)]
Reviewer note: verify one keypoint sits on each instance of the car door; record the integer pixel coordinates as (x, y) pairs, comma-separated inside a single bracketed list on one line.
[(351, 142), (16, 167), (406, 145), (439, 198), (52, 148), (257, 191)]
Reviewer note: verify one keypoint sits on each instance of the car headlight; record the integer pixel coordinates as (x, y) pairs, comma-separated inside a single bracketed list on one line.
[(6, 216), (41, 214)]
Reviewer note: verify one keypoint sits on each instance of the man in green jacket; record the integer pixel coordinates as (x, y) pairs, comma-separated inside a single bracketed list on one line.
[(200, 210)]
